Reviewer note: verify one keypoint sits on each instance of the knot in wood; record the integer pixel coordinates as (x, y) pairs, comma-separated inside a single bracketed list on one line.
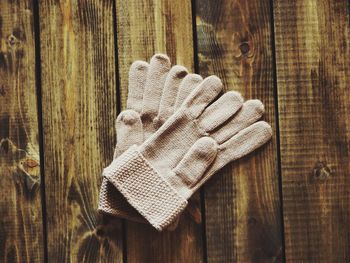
[(321, 171), (244, 48), (100, 232), (2, 91), (252, 221), (11, 40)]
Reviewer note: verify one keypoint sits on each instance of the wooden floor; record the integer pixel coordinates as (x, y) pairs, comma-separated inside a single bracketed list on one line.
[(63, 80)]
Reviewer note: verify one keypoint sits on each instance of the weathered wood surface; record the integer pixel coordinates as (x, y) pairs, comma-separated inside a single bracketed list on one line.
[(21, 233), (79, 107), (242, 206), (313, 77), (143, 29), (293, 55)]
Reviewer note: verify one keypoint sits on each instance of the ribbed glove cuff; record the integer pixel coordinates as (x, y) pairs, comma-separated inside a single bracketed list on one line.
[(145, 189)]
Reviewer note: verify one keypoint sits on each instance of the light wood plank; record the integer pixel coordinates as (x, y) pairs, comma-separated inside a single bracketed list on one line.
[(313, 69), (242, 206), (79, 108)]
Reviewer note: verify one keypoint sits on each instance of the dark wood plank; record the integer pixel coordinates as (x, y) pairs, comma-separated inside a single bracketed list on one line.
[(144, 28), (313, 69), (242, 206), (21, 233), (79, 108)]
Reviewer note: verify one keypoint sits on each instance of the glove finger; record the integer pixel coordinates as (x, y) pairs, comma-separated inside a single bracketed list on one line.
[(129, 131), (201, 97), (171, 87), (244, 142), (137, 80), (159, 68), (250, 112), (196, 161), (220, 111), (189, 83)]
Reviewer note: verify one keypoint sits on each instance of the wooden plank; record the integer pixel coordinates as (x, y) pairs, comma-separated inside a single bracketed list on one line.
[(144, 28), (313, 69), (79, 108), (149, 26), (21, 233), (242, 206)]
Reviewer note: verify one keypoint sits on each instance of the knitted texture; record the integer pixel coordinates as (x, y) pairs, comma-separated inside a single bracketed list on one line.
[(145, 188), (155, 92), (113, 203), (207, 132)]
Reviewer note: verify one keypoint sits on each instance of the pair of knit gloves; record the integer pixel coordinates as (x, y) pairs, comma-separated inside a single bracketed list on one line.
[(178, 131)]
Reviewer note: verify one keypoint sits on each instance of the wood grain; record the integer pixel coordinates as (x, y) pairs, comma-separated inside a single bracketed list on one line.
[(313, 69), (149, 26), (243, 217), (21, 233), (242, 206), (144, 28), (79, 108)]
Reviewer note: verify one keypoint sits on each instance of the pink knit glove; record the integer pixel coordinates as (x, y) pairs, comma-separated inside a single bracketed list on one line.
[(158, 177), (155, 91)]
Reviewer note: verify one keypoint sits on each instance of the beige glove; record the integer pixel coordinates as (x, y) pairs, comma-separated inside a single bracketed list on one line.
[(159, 176), (155, 91)]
